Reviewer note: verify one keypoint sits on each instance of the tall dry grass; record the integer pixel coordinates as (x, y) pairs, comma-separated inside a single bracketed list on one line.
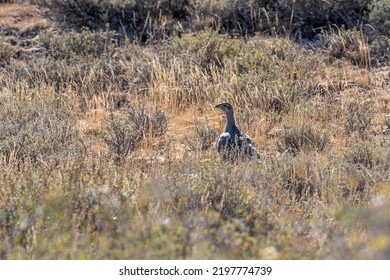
[(321, 191)]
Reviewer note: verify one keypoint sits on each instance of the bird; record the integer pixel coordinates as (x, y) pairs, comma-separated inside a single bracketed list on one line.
[(233, 143)]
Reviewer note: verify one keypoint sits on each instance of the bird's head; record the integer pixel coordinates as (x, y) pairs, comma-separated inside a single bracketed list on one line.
[(225, 107)]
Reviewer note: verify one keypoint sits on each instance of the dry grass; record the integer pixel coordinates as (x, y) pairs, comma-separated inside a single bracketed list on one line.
[(321, 192), (21, 17)]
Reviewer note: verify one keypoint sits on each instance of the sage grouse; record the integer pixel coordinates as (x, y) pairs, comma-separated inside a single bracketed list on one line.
[(233, 144)]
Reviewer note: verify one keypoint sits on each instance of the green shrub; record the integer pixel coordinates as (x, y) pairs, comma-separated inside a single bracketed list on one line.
[(302, 138), (120, 137), (124, 132), (141, 21), (80, 13), (78, 44), (379, 51), (37, 136), (146, 21), (153, 123), (206, 136), (89, 65), (299, 178), (209, 48), (86, 78), (7, 51), (199, 188), (380, 15)]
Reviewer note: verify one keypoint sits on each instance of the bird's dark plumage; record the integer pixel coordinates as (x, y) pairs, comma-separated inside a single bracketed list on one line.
[(233, 143)]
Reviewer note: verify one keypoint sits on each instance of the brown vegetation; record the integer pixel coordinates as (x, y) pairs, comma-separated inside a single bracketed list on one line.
[(107, 143)]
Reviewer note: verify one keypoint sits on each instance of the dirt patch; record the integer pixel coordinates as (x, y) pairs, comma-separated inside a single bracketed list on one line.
[(22, 20), (20, 25)]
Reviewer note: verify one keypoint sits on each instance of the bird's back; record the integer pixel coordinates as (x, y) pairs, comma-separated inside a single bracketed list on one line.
[(233, 143)]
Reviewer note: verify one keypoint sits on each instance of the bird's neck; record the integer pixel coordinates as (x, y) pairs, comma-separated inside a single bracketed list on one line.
[(230, 122)]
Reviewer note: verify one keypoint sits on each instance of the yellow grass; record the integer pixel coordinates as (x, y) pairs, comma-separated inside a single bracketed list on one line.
[(21, 17), (66, 193)]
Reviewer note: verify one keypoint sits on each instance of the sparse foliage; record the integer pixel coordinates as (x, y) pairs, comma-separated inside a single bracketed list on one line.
[(349, 44), (33, 137), (302, 138), (124, 132), (121, 136), (362, 154), (148, 123), (6, 52), (78, 44), (380, 15), (359, 117), (205, 138), (317, 116)]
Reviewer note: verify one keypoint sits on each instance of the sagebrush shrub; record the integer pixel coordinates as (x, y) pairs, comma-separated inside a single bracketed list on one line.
[(145, 21), (380, 15), (37, 137), (7, 51), (78, 44), (363, 153), (120, 136), (81, 13), (124, 131), (302, 138), (209, 48), (169, 204), (153, 123), (206, 136)]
